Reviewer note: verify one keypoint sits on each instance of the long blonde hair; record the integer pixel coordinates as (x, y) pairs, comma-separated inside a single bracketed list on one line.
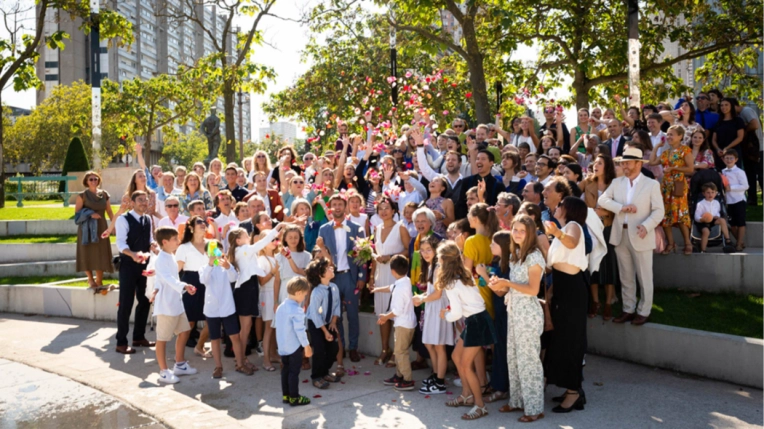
[(450, 267), (256, 166)]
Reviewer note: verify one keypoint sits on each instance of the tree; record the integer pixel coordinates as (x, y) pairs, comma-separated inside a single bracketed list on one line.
[(350, 74), (140, 108), (43, 137), (184, 149), (18, 52), (231, 62), (76, 160), (482, 31), (587, 40)]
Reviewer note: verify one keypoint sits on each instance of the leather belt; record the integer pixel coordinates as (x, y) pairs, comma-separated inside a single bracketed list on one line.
[(625, 226)]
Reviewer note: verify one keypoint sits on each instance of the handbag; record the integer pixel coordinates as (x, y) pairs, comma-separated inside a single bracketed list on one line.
[(660, 240), (680, 187)]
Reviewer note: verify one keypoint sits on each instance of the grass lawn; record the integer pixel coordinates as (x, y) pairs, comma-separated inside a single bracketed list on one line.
[(755, 214), (43, 280), (725, 313), (35, 239), (11, 212)]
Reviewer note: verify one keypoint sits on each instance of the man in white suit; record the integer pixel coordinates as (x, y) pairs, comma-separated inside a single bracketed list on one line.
[(637, 203)]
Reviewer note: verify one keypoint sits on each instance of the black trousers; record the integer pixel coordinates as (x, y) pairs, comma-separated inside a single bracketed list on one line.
[(324, 352), (290, 373), (753, 172), (132, 284)]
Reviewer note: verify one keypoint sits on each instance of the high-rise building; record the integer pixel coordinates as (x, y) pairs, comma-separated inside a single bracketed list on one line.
[(283, 130), (161, 45)]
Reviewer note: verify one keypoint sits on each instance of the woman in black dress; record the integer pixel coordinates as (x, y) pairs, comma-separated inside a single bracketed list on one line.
[(563, 364), (728, 132)]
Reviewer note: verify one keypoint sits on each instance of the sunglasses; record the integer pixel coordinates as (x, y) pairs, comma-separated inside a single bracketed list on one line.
[(171, 206), (550, 110), (458, 126), (298, 182), (397, 151), (260, 156), (702, 97), (309, 159), (93, 179)]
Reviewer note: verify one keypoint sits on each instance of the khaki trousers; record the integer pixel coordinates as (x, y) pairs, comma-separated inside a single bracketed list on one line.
[(403, 337)]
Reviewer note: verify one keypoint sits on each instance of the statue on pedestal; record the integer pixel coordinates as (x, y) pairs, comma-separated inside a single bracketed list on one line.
[(211, 130)]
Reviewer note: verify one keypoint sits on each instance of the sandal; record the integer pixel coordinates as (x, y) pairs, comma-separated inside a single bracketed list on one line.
[(461, 401), (250, 365), (506, 408), (340, 371), (320, 384), (382, 359), (475, 413), (688, 249), (670, 248), (305, 364), (486, 390), (245, 370), (204, 354), (332, 378), (495, 396), (391, 364), (269, 368), (302, 400), (530, 419), (217, 372)]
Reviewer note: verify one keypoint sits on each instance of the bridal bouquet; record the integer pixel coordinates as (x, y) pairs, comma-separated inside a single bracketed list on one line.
[(363, 250)]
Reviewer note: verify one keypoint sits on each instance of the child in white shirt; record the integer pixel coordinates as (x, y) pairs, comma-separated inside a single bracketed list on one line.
[(737, 184), (168, 307), (220, 310), (402, 310), (708, 214)]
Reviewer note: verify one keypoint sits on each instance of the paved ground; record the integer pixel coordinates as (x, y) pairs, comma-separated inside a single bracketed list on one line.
[(620, 395), (32, 398)]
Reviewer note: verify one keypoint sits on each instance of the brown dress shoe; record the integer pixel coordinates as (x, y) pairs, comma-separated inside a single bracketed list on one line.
[(144, 343), (125, 350), (354, 356), (639, 320), (625, 317)]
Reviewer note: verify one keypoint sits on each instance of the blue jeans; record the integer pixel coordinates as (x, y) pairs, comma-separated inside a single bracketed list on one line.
[(346, 284)]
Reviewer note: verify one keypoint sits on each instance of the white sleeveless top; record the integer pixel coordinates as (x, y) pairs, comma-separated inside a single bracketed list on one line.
[(576, 256)]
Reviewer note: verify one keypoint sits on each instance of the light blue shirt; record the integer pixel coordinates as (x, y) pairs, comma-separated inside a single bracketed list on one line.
[(290, 327), (319, 301)]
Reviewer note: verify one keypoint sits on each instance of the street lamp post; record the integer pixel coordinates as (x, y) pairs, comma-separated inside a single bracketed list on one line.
[(633, 54), (95, 83)]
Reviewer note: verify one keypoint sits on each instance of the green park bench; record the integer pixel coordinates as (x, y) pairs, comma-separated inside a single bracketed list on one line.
[(40, 186)]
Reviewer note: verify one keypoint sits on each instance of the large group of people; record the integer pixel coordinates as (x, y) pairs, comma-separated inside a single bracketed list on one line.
[(485, 247)]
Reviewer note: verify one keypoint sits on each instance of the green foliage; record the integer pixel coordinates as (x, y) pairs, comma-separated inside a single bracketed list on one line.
[(43, 137), (76, 160), (587, 41), (140, 108), (185, 149)]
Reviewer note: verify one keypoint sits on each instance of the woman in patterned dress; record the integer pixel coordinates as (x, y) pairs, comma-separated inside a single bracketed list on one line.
[(677, 161), (525, 320)]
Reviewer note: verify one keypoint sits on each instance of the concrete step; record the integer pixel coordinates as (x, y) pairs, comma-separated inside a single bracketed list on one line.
[(711, 272), (754, 234), (37, 227), (41, 252), (45, 268)]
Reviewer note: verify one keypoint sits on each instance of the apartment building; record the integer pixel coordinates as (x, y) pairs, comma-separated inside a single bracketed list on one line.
[(161, 45)]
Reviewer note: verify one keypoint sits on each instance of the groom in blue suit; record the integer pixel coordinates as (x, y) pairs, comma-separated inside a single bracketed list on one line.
[(335, 239)]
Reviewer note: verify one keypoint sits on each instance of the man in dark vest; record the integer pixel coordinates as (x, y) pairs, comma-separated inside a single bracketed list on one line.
[(135, 238)]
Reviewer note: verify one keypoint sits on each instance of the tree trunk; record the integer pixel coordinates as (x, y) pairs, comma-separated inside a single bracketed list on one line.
[(581, 90), (230, 128), (2, 159), (479, 91)]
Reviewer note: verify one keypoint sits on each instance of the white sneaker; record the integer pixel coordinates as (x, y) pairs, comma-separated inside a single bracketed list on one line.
[(183, 369), (458, 382), (166, 376)]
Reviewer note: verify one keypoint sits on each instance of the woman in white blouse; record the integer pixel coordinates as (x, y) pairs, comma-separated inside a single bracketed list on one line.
[(563, 362)]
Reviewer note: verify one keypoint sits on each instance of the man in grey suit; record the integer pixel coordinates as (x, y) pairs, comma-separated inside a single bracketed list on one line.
[(637, 203), (335, 239)]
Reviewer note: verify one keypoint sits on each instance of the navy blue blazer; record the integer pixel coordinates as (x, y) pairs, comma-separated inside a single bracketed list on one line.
[(327, 233)]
